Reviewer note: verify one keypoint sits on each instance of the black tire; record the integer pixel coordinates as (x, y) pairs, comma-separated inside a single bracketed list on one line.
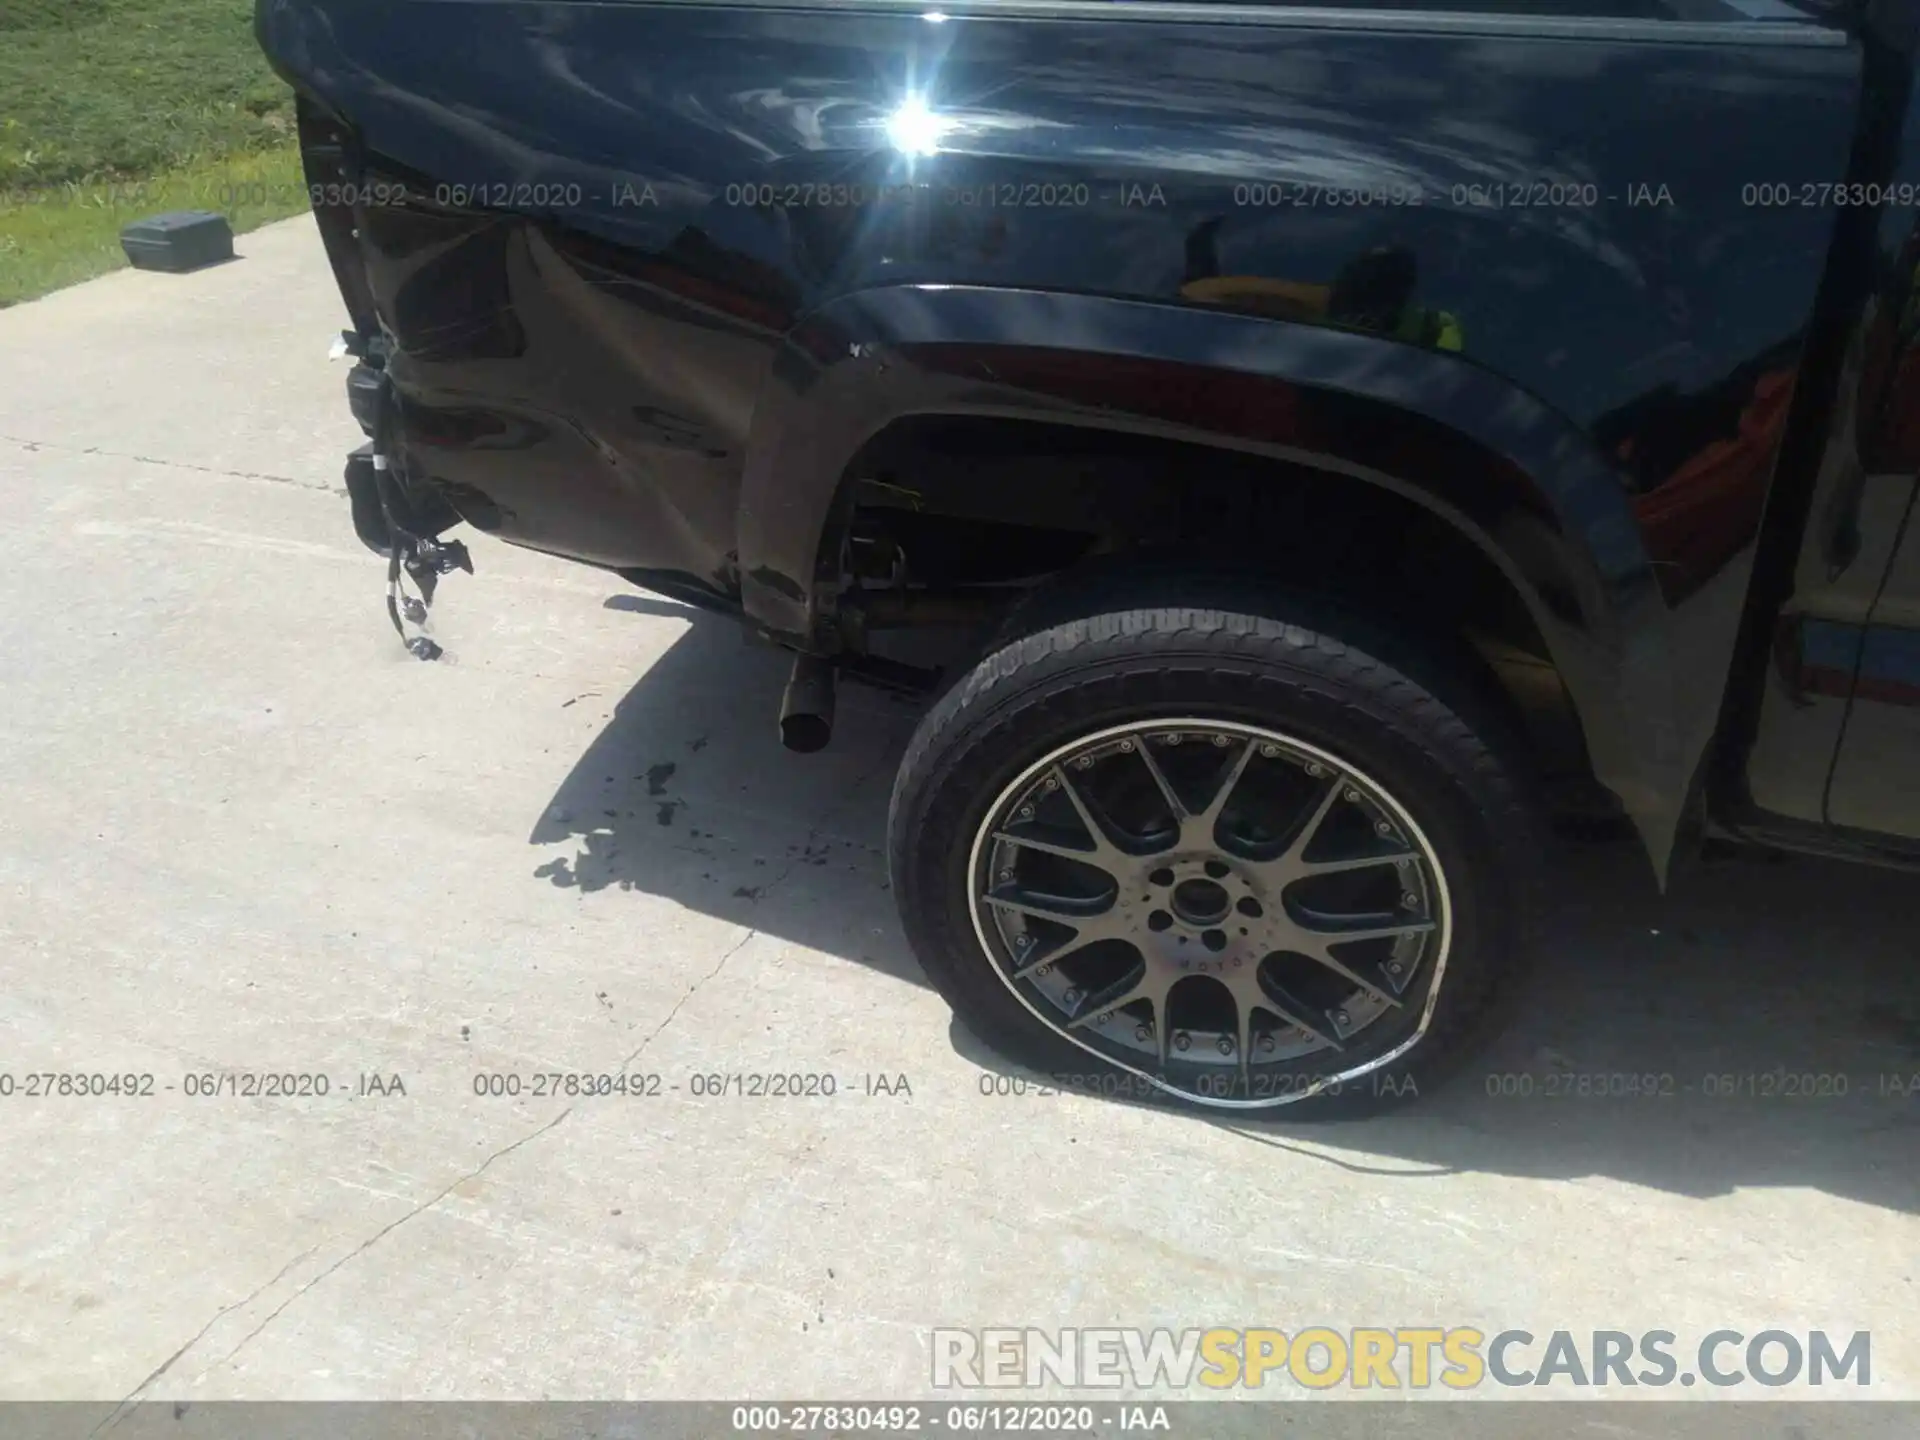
[(1407, 713)]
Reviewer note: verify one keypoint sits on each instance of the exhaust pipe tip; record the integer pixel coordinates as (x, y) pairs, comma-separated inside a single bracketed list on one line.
[(806, 711), (805, 733)]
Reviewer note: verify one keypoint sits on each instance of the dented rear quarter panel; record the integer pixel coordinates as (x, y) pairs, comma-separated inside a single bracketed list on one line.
[(668, 266)]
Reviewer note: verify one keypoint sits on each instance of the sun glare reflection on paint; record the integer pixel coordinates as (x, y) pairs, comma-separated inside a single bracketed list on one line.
[(913, 129)]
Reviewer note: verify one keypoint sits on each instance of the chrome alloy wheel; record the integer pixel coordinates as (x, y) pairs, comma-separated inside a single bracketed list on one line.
[(1235, 916)]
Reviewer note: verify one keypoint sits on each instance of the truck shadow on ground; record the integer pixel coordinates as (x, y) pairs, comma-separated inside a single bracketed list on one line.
[(687, 792), (1767, 1011)]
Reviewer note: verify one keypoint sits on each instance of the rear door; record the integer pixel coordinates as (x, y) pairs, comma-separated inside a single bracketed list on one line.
[(1876, 777), (1874, 785)]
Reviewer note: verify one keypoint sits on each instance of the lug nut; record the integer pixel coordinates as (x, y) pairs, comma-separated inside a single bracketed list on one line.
[(1106, 1016), (1071, 996), (1381, 827), (1410, 900), (1026, 812), (1143, 1032), (1220, 742), (1315, 769), (1182, 1041), (1266, 1044), (1085, 762), (1044, 970), (1127, 745), (1226, 1045), (1393, 967), (1353, 797), (1006, 874), (1052, 784), (1340, 1017), (1175, 738)]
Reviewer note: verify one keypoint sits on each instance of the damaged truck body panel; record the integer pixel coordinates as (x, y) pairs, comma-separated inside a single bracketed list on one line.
[(617, 216), (1559, 327)]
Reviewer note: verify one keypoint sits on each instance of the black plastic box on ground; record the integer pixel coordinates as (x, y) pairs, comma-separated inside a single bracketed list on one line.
[(179, 241)]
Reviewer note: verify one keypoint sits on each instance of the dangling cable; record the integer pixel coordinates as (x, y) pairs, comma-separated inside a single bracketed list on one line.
[(409, 555)]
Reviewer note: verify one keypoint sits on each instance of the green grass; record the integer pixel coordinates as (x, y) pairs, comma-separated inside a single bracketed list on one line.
[(113, 109), (113, 89), (63, 235)]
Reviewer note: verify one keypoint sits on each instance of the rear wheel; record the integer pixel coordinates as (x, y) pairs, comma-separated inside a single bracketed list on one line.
[(1239, 857)]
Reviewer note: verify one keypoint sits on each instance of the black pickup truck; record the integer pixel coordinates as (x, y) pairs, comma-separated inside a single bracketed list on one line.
[(1358, 435)]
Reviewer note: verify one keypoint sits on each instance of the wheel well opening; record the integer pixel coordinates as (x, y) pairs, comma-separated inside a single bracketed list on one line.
[(970, 513)]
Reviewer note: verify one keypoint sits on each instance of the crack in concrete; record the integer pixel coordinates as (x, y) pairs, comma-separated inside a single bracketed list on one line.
[(353, 1254), (693, 990), (298, 484), (774, 884), (126, 1402), (713, 1287), (381, 1234)]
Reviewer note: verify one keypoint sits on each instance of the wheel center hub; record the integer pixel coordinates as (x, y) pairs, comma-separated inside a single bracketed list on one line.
[(1200, 902)]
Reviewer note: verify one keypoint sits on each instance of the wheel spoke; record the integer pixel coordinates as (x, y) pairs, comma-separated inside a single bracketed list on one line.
[(1243, 1037), (1089, 933), (1310, 827), (1061, 909), (1375, 988), (1289, 1010), (1175, 805), (1028, 839), (1142, 984), (1291, 863), (1376, 932), (1110, 854), (1351, 862), (1206, 819)]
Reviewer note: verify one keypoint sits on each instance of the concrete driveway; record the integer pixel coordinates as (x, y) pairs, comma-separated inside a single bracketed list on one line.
[(243, 831)]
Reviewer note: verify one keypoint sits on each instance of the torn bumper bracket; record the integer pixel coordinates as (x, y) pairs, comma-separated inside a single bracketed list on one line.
[(390, 524), (421, 559)]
